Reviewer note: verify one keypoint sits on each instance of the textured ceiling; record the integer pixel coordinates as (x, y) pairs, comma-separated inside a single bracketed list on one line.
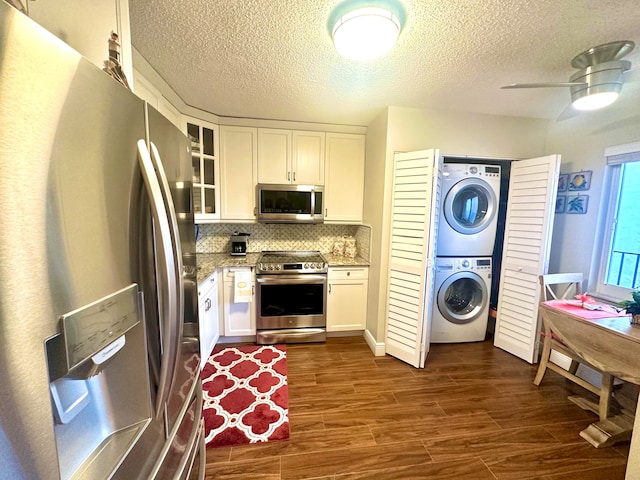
[(274, 59)]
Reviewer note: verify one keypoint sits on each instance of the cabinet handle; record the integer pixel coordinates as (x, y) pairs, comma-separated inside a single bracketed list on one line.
[(253, 289), (326, 212), (348, 274), (294, 176), (288, 176), (329, 288), (207, 304)]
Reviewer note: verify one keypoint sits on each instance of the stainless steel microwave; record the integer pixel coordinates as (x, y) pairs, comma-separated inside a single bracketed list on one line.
[(290, 203)]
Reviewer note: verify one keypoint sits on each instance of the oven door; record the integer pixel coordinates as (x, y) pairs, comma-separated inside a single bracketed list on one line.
[(291, 301)]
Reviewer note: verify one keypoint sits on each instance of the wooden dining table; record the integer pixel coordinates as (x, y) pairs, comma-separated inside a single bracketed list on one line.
[(605, 338)]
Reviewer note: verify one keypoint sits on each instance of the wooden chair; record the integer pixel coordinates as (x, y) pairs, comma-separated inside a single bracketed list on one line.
[(556, 287)]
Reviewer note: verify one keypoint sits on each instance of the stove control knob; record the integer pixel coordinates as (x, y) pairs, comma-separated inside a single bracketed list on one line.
[(306, 265), (270, 267), (278, 267)]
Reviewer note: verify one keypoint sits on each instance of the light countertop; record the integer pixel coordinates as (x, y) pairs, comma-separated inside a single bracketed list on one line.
[(209, 262)]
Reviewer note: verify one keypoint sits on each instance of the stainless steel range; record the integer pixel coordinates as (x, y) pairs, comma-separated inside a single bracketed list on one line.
[(291, 297)]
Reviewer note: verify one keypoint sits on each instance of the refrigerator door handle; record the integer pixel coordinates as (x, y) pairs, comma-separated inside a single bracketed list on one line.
[(178, 319), (193, 444), (169, 269)]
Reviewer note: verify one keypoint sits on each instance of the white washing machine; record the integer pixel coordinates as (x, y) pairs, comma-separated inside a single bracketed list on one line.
[(469, 210), (461, 307)]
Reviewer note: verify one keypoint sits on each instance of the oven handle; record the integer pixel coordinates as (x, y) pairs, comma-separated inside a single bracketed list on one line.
[(291, 279)]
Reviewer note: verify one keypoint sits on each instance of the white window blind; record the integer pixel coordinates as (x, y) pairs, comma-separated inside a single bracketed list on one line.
[(619, 154)]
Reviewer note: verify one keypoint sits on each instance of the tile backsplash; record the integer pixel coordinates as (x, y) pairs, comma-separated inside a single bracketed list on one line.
[(215, 237)]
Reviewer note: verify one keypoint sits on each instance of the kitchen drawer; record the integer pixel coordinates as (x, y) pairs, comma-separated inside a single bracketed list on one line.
[(348, 273), (229, 273), (207, 283)]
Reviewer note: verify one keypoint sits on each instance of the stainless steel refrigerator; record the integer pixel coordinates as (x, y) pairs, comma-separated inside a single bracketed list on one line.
[(99, 344)]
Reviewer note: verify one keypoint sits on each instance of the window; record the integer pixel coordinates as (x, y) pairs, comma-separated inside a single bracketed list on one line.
[(620, 263)]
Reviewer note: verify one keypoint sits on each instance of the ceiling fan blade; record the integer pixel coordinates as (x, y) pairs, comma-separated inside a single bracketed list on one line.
[(567, 113), (545, 85)]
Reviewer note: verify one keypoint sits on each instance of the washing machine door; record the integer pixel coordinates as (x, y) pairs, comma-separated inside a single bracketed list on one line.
[(462, 297), (470, 205)]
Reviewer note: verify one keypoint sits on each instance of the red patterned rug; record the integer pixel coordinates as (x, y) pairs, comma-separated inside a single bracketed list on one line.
[(246, 397)]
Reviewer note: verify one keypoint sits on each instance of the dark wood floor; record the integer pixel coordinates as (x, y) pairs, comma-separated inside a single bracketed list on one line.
[(472, 414)]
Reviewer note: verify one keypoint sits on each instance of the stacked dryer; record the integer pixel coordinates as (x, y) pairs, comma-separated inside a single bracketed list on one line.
[(466, 238)]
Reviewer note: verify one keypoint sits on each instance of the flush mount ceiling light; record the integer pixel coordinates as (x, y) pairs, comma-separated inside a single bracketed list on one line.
[(365, 30), (601, 85)]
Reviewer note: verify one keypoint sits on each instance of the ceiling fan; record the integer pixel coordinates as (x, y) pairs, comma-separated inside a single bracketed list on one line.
[(599, 79)]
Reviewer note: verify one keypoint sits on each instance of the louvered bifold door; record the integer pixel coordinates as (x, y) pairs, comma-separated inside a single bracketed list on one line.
[(527, 241), (412, 243)]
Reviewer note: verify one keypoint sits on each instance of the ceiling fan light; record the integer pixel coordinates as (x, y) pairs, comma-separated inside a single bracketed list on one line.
[(595, 101), (366, 33)]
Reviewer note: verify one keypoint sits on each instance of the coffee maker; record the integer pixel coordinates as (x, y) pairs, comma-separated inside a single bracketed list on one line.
[(239, 243)]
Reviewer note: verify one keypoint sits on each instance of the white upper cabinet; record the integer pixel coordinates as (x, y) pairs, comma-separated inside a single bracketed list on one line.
[(238, 151), (206, 169), (274, 155), (144, 89), (308, 158), (290, 156), (344, 177)]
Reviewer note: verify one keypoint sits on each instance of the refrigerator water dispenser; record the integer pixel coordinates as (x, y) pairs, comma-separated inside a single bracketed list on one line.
[(99, 385)]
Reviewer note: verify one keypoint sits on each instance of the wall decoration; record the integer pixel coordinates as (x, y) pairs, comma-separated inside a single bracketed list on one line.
[(577, 203), (579, 181), (563, 180), (561, 202)]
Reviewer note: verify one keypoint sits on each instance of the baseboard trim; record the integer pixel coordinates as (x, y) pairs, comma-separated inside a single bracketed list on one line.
[(378, 348), (240, 339)]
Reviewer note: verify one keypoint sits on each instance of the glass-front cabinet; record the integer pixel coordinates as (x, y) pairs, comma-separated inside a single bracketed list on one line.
[(206, 169)]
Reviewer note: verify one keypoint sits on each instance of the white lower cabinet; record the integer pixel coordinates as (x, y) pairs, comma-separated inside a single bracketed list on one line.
[(347, 298), (209, 320), (239, 318)]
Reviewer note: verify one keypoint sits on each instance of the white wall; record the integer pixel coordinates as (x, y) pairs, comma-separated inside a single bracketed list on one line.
[(374, 178), (86, 26), (581, 141), (454, 133)]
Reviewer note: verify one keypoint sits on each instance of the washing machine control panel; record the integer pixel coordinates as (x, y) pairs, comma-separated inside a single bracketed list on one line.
[(483, 170), (483, 263), (470, 263), (491, 171)]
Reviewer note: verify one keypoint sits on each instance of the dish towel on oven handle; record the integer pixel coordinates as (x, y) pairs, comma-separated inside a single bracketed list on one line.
[(242, 291)]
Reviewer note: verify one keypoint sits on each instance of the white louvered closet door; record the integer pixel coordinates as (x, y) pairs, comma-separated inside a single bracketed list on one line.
[(412, 250), (527, 241)]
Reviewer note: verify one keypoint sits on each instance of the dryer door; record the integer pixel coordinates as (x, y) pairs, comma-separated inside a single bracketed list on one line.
[(470, 205), (462, 297)]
